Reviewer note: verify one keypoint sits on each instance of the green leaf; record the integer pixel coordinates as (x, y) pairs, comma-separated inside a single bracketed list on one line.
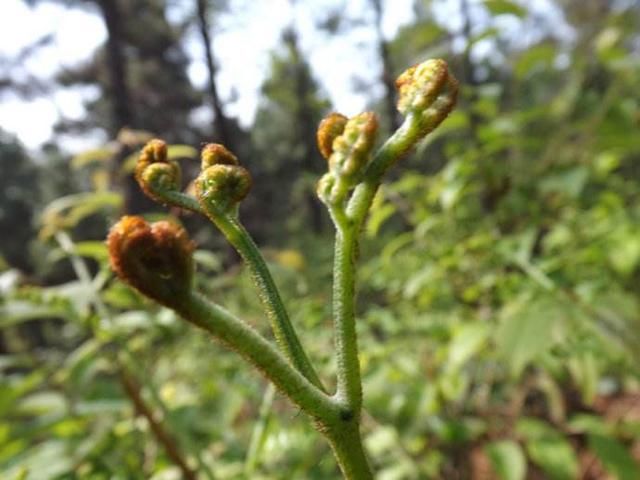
[(207, 260), (467, 341), (46, 460), (606, 162), (377, 218), (129, 322), (68, 211), (79, 364), (78, 295), (527, 330), (505, 7), (11, 389), (533, 429), (624, 251), (91, 249), (585, 423), (555, 456), (97, 155), (615, 457), (101, 407), (507, 459), (533, 58), (129, 163), (175, 152), (120, 295), (18, 311), (381, 440), (569, 182), (586, 374), (41, 403), (392, 248), (548, 449), (490, 32)]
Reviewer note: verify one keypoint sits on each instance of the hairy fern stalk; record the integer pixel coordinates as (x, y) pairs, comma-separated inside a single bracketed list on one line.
[(156, 259)]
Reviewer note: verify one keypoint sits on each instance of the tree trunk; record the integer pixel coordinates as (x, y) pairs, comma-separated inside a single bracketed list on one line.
[(387, 70), (122, 113), (220, 122), (306, 126), (496, 185)]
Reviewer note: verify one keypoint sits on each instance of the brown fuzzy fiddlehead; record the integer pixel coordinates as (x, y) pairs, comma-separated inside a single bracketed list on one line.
[(156, 174), (155, 259), (346, 144), (428, 91)]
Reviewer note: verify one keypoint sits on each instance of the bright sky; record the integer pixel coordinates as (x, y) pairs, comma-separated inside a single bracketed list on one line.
[(78, 33)]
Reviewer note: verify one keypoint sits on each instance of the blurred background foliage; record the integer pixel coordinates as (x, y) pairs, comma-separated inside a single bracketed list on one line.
[(499, 310)]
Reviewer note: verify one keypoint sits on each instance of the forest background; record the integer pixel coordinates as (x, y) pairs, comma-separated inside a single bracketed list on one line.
[(498, 307)]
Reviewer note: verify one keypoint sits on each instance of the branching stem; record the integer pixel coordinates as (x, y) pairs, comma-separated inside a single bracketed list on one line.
[(389, 153), (272, 303), (427, 93), (242, 338), (346, 341), (337, 422)]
